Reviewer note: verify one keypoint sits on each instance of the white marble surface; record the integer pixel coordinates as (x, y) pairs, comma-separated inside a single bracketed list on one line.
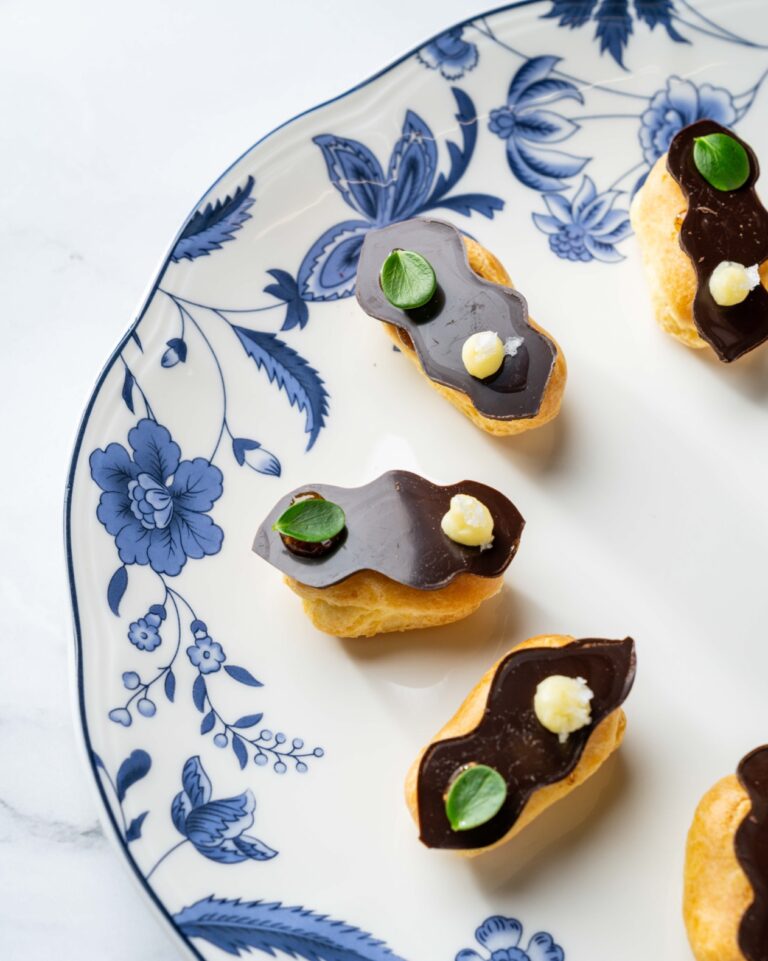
[(115, 118)]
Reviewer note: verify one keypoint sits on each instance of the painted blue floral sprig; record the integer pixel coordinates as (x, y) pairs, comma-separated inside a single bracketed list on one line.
[(208, 657), (264, 746), (499, 939)]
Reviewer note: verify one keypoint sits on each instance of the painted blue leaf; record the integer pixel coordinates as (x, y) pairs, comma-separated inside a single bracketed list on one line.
[(614, 26), (659, 11), (548, 91), (460, 156), (484, 204), (170, 685), (544, 126), (572, 13), (97, 760), (412, 168), (248, 721), (133, 769), (127, 391), (207, 723), (134, 828), (288, 369), (240, 674), (329, 268), (540, 168), (137, 340), (199, 693), (213, 226), (238, 926), (356, 174), (287, 290), (240, 751), (116, 588)]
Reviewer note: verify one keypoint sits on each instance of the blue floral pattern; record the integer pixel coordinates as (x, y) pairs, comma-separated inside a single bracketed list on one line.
[(412, 185), (679, 103), (161, 507), (586, 227), (450, 53), (499, 939), (145, 632), (525, 124), (216, 829), (154, 504)]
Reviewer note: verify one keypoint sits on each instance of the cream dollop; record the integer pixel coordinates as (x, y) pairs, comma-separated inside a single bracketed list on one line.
[(468, 521), (561, 704), (730, 283), (482, 354)]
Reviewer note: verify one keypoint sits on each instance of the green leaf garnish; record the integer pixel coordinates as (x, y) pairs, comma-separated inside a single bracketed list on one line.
[(474, 797), (313, 520), (407, 279), (721, 161)]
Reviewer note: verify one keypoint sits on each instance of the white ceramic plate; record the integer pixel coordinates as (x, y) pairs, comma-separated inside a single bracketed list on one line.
[(251, 370)]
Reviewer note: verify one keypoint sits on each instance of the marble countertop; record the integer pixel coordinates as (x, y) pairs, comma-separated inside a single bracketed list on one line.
[(115, 119)]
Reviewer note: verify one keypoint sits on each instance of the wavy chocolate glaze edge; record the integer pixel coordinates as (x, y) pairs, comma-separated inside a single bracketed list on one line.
[(393, 528), (463, 304), (721, 225), (510, 738), (751, 845)]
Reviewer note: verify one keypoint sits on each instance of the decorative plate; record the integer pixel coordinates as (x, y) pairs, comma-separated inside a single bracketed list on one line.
[(252, 769)]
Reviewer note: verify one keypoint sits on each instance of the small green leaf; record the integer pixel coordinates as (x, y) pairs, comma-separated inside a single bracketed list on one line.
[(474, 797), (721, 161), (407, 279), (313, 520)]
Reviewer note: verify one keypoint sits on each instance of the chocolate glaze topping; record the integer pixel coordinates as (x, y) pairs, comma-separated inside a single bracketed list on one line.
[(462, 305), (751, 844), (510, 738), (393, 527), (722, 225)]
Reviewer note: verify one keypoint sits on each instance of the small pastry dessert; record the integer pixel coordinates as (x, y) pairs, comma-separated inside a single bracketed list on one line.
[(725, 901), (449, 306), (703, 233), (538, 724), (396, 554)]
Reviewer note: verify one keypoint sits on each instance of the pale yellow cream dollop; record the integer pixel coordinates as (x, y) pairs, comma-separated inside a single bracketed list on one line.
[(730, 283), (482, 353), (468, 521), (561, 704)]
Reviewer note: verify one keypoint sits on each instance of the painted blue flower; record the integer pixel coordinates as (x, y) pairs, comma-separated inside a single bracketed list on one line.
[(216, 828), (679, 103), (613, 19), (500, 939), (525, 125), (206, 654), (586, 227), (145, 632), (449, 53), (411, 185), (154, 504)]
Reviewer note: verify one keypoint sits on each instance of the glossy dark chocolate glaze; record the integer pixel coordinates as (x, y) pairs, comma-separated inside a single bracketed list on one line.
[(751, 843), (393, 527), (463, 305), (722, 225), (510, 738)]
